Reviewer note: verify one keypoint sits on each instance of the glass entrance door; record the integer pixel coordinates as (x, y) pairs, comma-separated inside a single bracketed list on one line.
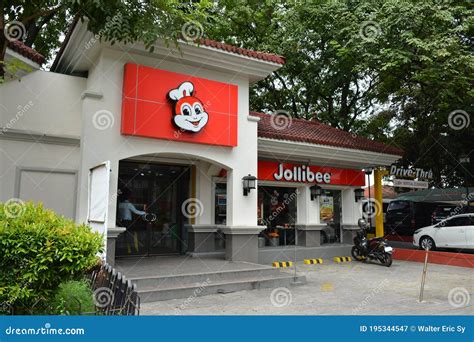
[(149, 207)]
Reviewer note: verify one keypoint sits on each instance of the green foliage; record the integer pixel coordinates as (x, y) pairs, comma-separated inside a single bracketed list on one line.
[(13, 67), (38, 251), (73, 297), (392, 70), (45, 21)]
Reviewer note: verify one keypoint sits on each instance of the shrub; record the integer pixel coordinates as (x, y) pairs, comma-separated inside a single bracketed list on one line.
[(38, 251), (73, 297)]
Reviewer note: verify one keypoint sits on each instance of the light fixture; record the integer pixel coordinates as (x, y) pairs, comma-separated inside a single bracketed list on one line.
[(368, 171), (316, 191), (464, 159), (249, 183), (359, 194)]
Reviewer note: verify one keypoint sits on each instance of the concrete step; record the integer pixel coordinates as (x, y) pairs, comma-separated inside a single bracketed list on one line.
[(153, 294), (222, 276)]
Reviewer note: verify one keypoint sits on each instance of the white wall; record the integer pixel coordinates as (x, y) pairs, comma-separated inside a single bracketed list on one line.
[(55, 189), (40, 103), (51, 160), (108, 144), (43, 102), (351, 210)]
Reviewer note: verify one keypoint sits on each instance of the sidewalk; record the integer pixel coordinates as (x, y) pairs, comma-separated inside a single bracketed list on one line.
[(343, 289)]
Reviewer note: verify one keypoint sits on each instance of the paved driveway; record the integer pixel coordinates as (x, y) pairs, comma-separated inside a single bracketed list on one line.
[(343, 289)]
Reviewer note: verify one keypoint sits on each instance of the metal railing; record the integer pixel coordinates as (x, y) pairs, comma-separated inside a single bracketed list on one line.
[(113, 293)]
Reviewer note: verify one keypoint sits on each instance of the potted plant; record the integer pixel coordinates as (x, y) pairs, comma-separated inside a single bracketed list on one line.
[(274, 238)]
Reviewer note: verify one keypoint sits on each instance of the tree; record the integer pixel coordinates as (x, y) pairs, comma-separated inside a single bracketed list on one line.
[(390, 70), (325, 76), (41, 23), (427, 73)]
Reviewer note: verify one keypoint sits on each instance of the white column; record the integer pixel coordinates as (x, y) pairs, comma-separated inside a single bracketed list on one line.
[(314, 217), (204, 193), (307, 210), (241, 210), (351, 210)]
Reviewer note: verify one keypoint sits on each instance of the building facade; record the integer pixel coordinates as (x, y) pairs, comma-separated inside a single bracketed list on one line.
[(159, 150)]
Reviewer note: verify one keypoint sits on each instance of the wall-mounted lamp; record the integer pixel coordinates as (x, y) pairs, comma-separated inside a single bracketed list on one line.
[(316, 191), (249, 183), (368, 171), (359, 194)]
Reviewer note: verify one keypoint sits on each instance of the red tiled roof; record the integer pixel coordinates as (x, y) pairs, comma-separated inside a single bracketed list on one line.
[(270, 57), (26, 51), (265, 56), (314, 132), (388, 192)]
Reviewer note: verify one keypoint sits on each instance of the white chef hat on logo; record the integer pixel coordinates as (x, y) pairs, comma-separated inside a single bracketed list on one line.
[(185, 89)]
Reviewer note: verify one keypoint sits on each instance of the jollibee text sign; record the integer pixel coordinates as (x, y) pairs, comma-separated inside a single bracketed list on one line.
[(287, 172)]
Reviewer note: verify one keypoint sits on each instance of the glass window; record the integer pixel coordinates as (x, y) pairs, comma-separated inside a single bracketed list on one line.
[(220, 203), (403, 206), (277, 210), (220, 212), (330, 213), (458, 221)]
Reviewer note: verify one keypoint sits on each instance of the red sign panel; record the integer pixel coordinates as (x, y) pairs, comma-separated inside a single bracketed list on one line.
[(285, 172), (166, 105)]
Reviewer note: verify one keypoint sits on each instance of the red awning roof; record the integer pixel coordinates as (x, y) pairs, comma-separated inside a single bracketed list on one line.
[(270, 57), (314, 132), (26, 51)]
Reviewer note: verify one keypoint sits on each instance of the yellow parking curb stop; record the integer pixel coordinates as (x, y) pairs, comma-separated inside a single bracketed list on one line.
[(342, 259), (313, 261), (279, 264)]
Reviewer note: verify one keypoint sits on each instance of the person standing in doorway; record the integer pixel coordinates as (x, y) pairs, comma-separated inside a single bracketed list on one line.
[(126, 209)]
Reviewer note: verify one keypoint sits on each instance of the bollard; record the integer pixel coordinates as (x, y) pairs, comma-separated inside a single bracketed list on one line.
[(423, 277)]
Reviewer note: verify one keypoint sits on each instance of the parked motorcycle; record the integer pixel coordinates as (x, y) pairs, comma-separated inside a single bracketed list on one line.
[(373, 249)]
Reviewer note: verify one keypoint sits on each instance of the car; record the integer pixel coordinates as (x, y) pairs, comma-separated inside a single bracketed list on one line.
[(454, 232), (442, 212), (403, 217)]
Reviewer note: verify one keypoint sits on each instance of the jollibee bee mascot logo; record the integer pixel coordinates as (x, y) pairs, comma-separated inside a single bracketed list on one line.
[(189, 112)]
